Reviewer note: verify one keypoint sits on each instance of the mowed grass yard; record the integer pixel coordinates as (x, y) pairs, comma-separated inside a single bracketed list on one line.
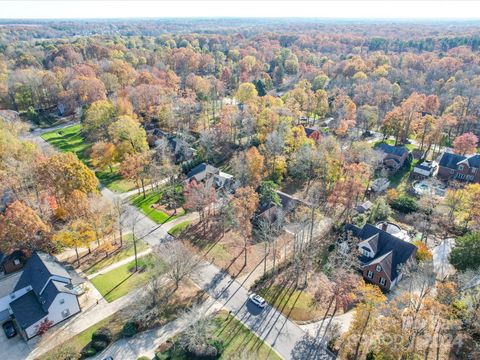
[(122, 280), (297, 305), (236, 338), (125, 252), (114, 322), (145, 204), (239, 339), (70, 139)]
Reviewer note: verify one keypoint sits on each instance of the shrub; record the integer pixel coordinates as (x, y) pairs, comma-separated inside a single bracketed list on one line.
[(89, 352), (143, 358), (218, 344), (405, 204), (103, 334), (359, 220), (99, 345), (64, 353), (423, 253), (380, 210), (129, 329)]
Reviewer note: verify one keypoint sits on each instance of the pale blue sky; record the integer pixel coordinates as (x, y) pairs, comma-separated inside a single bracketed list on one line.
[(228, 8)]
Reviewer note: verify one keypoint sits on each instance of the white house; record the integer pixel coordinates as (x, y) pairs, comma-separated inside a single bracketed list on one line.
[(42, 290)]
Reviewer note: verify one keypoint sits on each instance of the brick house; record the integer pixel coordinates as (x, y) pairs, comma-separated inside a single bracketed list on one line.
[(313, 133), (459, 167), (381, 255), (394, 157)]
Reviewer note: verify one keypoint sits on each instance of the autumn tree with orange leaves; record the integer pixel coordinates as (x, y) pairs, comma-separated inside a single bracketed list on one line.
[(22, 228), (244, 203)]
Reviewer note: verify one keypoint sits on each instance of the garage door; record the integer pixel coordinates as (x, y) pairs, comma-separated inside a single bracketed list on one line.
[(4, 315)]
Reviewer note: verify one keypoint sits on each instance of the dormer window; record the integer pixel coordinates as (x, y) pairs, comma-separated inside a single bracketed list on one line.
[(378, 268), (460, 167), (366, 252)]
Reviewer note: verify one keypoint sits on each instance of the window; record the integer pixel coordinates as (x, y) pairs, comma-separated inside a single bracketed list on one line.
[(370, 274), (65, 313), (62, 301), (452, 171), (16, 262), (378, 268), (382, 281), (366, 252), (460, 167)]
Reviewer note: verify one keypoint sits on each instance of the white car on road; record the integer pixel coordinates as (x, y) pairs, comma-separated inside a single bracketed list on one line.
[(258, 300)]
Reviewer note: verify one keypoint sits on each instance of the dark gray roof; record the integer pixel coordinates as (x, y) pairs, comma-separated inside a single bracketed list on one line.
[(401, 250), (450, 160), (394, 150), (200, 171), (474, 161), (39, 268), (425, 166), (27, 310), (8, 283)]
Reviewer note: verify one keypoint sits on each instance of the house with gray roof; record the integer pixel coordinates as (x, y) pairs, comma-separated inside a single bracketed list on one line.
[(43, 290), (458, 167), (381, 255), (221, 180), (394, 157)]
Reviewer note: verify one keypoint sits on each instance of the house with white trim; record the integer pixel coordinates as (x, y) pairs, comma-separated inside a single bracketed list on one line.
[(43, 290)]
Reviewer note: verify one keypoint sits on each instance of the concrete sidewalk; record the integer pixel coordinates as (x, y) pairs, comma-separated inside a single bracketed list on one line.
[(145, 343), (119, 263)]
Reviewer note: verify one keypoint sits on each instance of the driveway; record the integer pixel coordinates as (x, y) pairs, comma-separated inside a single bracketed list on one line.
[(14, 348), (441, 263)]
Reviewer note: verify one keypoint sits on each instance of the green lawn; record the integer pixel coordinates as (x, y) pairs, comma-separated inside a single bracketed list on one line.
[(179, 228), (400, 178), (78, 342), (239, 339), (145, 205), (70, 139), (120, 255), (120, 281), (236, 338), (297, 305)]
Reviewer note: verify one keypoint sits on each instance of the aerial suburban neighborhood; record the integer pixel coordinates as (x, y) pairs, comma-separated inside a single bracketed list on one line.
[(238, 188)]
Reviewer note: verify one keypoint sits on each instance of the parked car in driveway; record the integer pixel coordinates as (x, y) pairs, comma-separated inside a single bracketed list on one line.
[(9, 329), (258, 300)]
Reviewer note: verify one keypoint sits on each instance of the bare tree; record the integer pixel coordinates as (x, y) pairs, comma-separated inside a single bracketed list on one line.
[(120, 210), (268, 230), (195, 339), (182, 263), (132, 222)]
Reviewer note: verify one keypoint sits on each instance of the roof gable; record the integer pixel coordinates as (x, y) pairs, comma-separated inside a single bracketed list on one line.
[(450, 160), (401, 251), (39, 268), (27, 310), (393, 150)]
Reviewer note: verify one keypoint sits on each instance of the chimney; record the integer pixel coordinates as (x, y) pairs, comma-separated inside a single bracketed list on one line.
[(384, 226)]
